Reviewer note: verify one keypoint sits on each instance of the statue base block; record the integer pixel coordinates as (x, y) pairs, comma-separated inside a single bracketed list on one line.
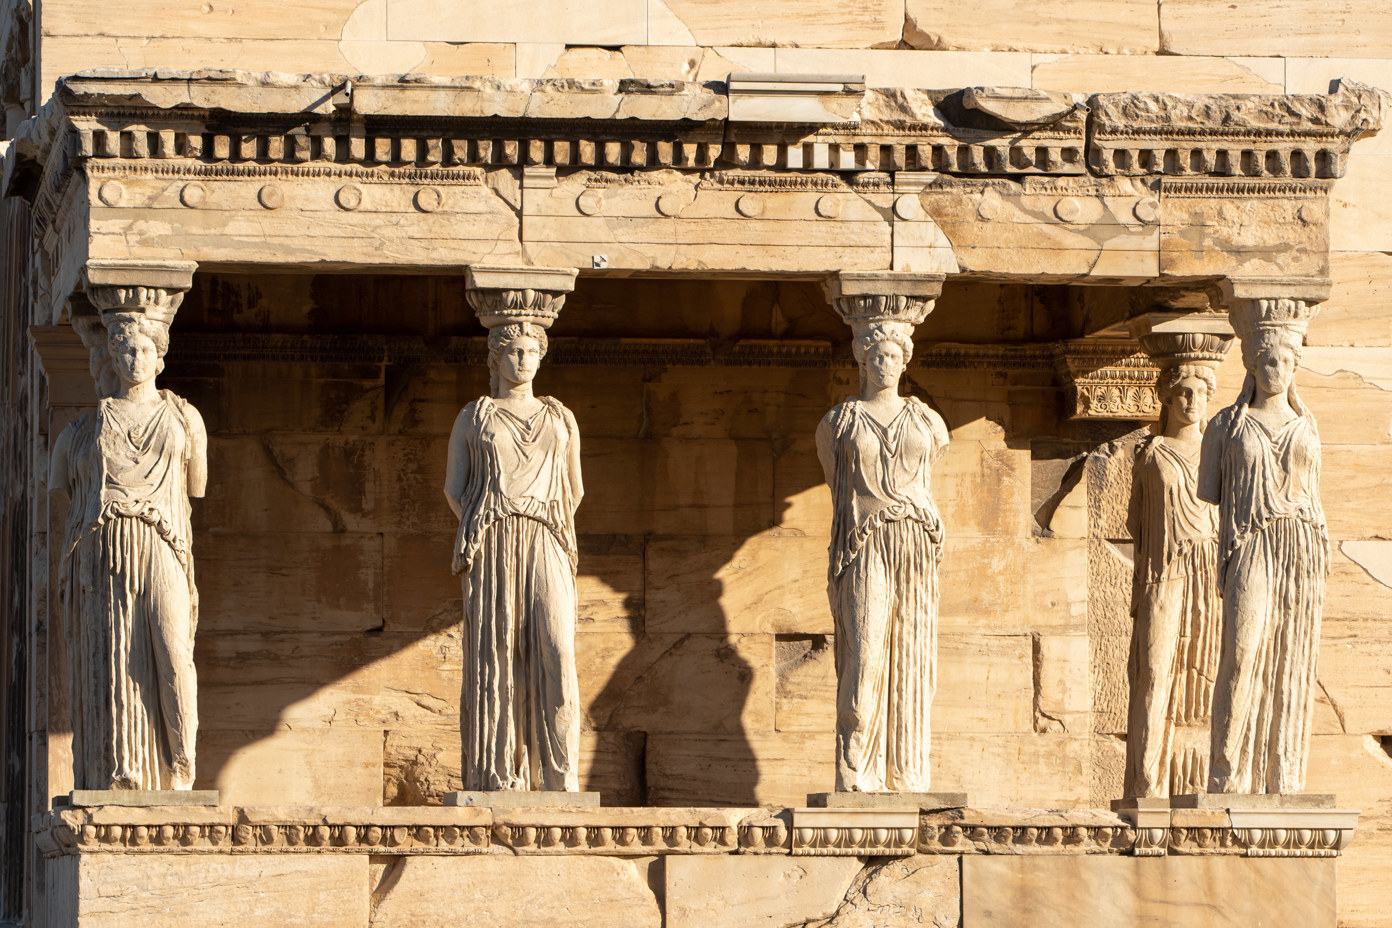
[(85, 798), (321, 866), (1143, 804), (522, 799), (855, 799), (1252, 802)]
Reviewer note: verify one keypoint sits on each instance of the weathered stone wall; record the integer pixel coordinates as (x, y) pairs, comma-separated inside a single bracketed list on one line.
[(328, 645), (705, 667)]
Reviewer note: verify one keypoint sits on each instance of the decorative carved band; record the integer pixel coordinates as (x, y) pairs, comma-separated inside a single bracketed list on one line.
[(1235, 188), (1169, 349), (635, 125), (463, 177), (834, 832), (360, 838), (156, 302), (1251, 316), (968, 838), (611, 840), (644, 832), (207, 347), (866, 309)]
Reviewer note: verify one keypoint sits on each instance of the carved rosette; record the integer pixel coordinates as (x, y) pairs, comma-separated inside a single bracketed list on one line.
[(508, 295)]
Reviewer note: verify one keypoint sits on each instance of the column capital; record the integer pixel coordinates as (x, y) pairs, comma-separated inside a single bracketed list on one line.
[(864, 298), (153, 288), (503, 294), (1174, 337), (1288, 303)]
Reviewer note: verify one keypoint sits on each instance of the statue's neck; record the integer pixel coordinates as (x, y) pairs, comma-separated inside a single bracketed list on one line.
[(140, 393), (1183, 434), (880, 396), (513, 392)]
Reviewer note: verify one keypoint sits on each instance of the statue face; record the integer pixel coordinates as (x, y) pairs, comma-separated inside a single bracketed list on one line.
[(519, 361), (884, 364), (1274, 369), (1188, 403), (135, 358)]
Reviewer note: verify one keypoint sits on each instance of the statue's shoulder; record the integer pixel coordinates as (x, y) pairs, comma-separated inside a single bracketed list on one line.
[(561, 409), (1223, 420), (1144, 449), (550, 402), (471, 417), (923, 409), (839, 415), (190, 414), (931, 418)]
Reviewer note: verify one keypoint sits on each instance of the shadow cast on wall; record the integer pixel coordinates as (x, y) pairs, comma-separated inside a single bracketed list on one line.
[(329, 648)]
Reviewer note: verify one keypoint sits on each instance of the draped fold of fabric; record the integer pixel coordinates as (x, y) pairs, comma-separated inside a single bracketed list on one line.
[(516, 552), (1273, 557), (1175, 640), (886, 547), (131, 607)]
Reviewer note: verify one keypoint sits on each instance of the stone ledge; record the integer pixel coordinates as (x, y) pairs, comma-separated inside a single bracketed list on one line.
[(632, 832)]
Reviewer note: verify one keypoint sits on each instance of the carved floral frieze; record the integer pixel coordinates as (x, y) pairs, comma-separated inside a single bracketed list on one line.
[(1107, 379)]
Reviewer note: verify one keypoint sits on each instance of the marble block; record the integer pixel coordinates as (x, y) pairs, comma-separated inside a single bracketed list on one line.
[(80, 798), (1144, 804), (516, 799), (1253, 802), (854, 799)]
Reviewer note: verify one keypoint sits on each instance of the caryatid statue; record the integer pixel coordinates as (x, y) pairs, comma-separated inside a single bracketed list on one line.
[(1261, 465), (877, 451), (1178, 620), (130, 606), (513, 479)]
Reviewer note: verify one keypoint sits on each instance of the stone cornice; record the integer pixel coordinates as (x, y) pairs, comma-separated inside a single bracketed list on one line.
[(226, 117)]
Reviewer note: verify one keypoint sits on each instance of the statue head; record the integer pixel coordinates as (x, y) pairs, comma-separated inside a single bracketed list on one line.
[(1271, 354), (515, 351), (1185, 391), (137, 345), (94, 337), (883, 350)]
